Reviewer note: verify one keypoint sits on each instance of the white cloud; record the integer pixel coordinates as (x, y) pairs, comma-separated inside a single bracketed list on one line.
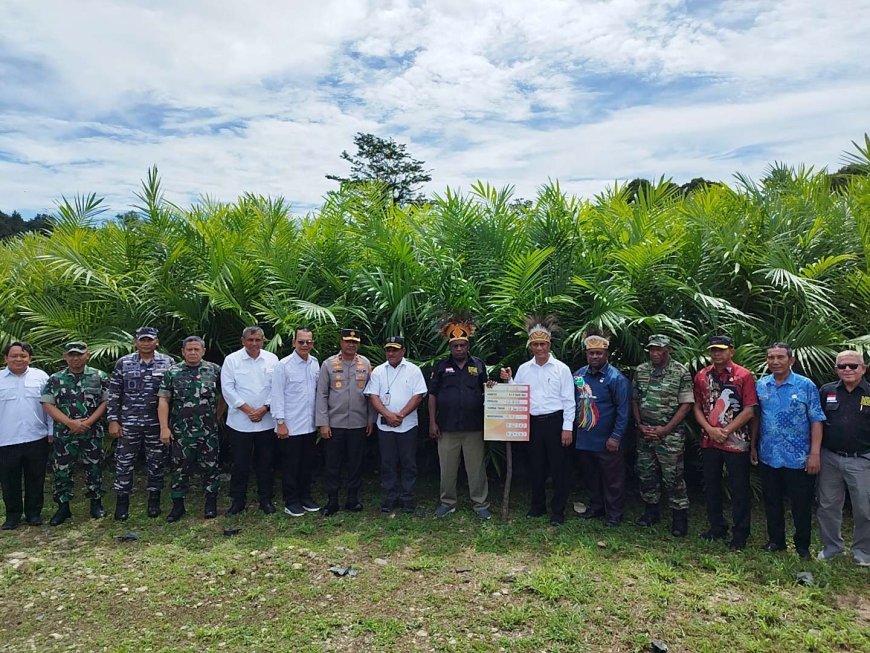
[(228, 97)]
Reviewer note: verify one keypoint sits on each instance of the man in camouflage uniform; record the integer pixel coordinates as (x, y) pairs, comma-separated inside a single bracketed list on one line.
[(75, 398), (187, 410), (661, 399), (132, 416)]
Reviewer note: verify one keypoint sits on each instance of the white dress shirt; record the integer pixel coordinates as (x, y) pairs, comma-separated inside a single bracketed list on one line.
[(22, 418), (246, 380), (551, 388), (294, 392), (395, 386)]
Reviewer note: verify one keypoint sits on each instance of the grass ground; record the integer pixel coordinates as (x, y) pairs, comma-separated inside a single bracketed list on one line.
[(455, 584)]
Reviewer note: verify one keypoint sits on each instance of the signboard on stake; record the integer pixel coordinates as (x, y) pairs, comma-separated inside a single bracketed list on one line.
[(506, 413)]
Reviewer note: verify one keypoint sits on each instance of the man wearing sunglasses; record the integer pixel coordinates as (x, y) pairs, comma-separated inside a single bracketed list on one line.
[(845, 460)]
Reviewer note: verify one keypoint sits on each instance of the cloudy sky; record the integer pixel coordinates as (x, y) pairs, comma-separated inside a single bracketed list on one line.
[(227, 97)]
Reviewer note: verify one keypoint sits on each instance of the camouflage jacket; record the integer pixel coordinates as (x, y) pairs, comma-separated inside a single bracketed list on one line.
[(659, 392), (133, 389), (77, 396), (193, 396)]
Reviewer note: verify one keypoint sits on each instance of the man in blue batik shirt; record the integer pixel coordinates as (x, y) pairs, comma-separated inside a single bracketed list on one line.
[(788, 450), (603, 403)]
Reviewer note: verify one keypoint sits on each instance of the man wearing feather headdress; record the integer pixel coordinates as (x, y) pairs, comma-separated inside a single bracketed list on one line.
[(456, 388), (552, 409), (604, 399)]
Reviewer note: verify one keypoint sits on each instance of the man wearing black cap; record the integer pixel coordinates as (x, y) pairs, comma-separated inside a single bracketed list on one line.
[(725, 400), (132, 416), (395, 390), (75, 398), (344, 417)]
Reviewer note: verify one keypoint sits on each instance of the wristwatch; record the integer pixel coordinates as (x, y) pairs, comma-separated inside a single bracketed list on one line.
[(279, 421)]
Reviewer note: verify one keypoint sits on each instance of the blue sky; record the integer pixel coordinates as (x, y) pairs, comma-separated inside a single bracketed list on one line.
[(228, 97)]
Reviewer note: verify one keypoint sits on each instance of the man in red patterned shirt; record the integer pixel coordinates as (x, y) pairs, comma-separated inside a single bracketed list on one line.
[(725, 401)]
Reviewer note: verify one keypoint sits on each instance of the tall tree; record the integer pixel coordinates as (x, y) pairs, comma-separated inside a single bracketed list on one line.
[(386, 161)]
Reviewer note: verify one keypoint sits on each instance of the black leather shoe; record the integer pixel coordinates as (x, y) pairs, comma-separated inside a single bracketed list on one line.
[(330, 508), (10, 524), (591, 514), (97, 510), (63, 513), (712, 535), (679, 523), (804, 554), (35, 520), (353, 506), (236, 507), (267, 507), (773, 547), (409, 507), (388, 506), (153, 504), (557, 520), (737, 545), (613, 523), (536, 512)]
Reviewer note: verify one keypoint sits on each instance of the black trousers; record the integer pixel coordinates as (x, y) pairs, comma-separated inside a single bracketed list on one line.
[(398, 465), (256, 446), (737, 465), (297, 459), (546, 451), (800, 488), (604, 475), (344, 448), (27, 460)]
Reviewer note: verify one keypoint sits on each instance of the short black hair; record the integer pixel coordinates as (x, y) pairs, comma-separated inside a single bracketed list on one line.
[(781, 345), (18, 343), (190, 339), (302, 328)]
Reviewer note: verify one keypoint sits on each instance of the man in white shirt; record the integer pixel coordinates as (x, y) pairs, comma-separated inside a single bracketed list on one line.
[(24, 429), (552, 409), (395, 390), (294, 393), (246, 383)]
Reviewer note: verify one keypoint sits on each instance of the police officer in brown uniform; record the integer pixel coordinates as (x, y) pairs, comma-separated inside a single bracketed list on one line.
[(344, 418)]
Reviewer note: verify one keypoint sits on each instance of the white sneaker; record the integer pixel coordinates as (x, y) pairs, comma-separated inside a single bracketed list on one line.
[(825, 557)]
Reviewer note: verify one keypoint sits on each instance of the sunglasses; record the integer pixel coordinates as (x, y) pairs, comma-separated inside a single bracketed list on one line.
[(305, 342), (851, 366)]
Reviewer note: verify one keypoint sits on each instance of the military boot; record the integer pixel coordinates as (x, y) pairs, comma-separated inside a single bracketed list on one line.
[(63, 513), (210, 505), (154, 503), (331, 506), (122, 507), (177, 511), (650, 516), (97, 510), (679, 523)]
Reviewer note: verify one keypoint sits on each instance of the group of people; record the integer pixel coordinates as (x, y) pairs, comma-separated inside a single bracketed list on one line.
[(808, 443)]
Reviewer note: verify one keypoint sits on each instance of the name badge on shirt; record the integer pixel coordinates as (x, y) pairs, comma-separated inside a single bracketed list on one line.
[(831, 402), (449, 370)]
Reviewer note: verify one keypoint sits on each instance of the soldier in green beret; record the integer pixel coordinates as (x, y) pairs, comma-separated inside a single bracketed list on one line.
[(75, 398), (661, 398)]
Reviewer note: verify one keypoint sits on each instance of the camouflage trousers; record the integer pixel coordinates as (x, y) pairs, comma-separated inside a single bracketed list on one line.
[(192, 453), (132, 440), (66, 452), (660, 463)]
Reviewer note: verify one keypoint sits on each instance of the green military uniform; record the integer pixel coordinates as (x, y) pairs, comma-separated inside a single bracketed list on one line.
[(659, 393), (193, 396), (77, 396)]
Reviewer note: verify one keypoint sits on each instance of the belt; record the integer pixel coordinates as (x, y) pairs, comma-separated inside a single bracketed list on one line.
[(850, 454), (547, 416)]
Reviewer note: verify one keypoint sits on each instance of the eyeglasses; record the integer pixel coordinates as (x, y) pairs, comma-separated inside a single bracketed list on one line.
[(851, 366), (305, 342)]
